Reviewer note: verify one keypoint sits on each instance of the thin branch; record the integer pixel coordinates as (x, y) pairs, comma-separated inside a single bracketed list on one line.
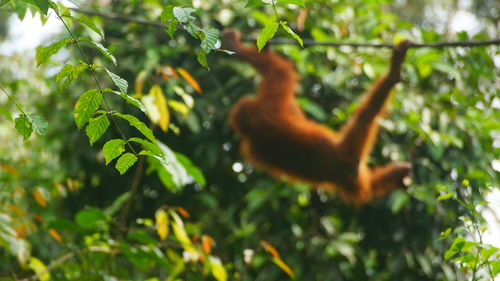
[(307, 42), (12, 100), (94, 75), (139, 171)]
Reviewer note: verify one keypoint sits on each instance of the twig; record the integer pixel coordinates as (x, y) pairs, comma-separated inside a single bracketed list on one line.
[(12, 100), (94, 75), (307, 42), (139, 171)]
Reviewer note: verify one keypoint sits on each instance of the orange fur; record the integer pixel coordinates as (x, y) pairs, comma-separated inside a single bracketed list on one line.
[(277, 136)]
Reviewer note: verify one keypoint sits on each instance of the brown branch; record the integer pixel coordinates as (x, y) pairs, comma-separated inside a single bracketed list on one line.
[(307, 42)]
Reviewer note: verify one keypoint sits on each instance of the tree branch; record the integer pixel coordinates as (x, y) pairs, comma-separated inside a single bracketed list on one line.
[(307, 42)]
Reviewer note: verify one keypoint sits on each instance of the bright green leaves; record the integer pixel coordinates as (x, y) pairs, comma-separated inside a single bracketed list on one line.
[(270, 30), (27, 123), (97, 127), (266, 34), (183, 15), (255, 3), (121, 83), (125, 161), (210, 37), (288, 30), (86, 106), (138, 124), (23, 126), (88, 22), (44, 53), (300, 3), (68, 73), (101, 49), (113, 149)]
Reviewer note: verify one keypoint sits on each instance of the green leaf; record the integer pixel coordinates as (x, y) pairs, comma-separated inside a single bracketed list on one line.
[(445, 196), (24, 126), (293, 2), (290, 31), (88, 22), (44, 53), (43, 5), (86, 106), (455, 248), (90, 218), (191, 169), (217, 268), (68, 73), (183, 15), (97, 127), (266, 34), (125, 161), (121, 83), (167, 14), (255, 3), (133, 101), (100, 48), (201, 56), (39, 124), (211, 36), (3, 2), (139, 125), (112, 149), (149, 146)]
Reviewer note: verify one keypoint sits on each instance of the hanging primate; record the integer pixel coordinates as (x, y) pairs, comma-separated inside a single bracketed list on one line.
[(276, 135)]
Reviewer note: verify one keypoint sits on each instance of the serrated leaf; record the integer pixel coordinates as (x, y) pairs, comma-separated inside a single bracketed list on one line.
[(133, 101), (255, 3), (138, 124), (68, 73), (39, 124), (101, 49), (300, 3), (23, 126), (167, 14), (43, 5), (183, 15), (88, 22), (211, 36), (86, 106), (293, 34), (97, 127), (266, 34), (125, 161), (44, 53), (121, 83), (113, 149), (151, 147)]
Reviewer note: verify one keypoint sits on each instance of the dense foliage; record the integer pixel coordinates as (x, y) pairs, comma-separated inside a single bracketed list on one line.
[(117, 163)]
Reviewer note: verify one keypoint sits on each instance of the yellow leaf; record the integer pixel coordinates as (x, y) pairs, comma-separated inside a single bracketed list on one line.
[(40, 198), (55, 235), (270, 249), (139, 82), (15, 210), (189, 79), (279, 262), (179, 230), (218, 270), (179, 107), (156, 107), (39, 268), (161, 224)]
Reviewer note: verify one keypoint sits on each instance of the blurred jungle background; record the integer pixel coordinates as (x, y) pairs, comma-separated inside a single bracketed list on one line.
[(206, 214)]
